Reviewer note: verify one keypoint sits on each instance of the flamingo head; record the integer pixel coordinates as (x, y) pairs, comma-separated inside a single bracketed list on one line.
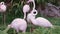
[(34, 12)]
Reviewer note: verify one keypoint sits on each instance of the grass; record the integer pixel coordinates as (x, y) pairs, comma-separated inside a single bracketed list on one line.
[(39, 30)]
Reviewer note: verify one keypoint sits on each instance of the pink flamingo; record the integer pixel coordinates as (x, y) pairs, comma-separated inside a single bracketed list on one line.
[(40, 21), (19, 25), (3, 8)]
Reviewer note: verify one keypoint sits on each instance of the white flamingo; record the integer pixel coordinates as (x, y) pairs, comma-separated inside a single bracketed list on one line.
[(3, 8), (19, 25), (40, 21)]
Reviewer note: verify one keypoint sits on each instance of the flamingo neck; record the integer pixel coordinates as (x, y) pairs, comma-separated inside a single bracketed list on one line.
[(34, 4), (33, 20), (33, 17), (24, 15)]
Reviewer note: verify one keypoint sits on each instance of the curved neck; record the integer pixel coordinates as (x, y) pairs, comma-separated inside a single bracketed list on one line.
[(34, 4), (34, 21), (24, 15)]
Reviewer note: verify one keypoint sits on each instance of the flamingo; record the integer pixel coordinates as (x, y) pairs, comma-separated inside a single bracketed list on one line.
[(3, 8), (40, 21), (18, 24)]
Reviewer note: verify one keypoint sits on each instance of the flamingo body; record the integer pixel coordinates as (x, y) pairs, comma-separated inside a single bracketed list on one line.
[(19, 24), (40, 21), (43, 22)]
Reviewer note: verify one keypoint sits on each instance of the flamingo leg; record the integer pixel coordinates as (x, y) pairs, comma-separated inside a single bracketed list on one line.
[(3, 18)]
